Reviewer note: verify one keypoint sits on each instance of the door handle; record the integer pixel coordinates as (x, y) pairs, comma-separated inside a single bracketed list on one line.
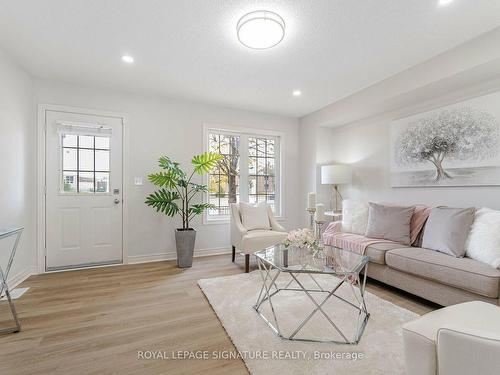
[(116, 201)]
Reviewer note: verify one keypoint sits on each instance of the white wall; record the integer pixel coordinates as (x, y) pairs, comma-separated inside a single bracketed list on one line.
[(366, 147), (161, 126), (465, 65), (17, 165), (356, 130), (308, 144)]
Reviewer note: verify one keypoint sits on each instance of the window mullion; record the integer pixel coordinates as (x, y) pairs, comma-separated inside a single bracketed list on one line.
[(244, 168), (277, 176)]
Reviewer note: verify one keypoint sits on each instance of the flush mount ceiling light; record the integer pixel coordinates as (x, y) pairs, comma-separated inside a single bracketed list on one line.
[(261, 29), (127, 59), (445, 2), (296, 93)]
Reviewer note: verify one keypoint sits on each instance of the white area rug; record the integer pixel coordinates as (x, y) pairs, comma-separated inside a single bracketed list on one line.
[(380, 350)]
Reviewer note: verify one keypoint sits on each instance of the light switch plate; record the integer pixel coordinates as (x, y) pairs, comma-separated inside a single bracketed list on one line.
[(137, 181)]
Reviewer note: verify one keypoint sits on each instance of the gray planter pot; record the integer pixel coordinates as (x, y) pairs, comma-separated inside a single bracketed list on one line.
[(184, 241)]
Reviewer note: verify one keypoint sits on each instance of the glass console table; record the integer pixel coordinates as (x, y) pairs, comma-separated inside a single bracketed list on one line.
[(4, 273), (344, 266)]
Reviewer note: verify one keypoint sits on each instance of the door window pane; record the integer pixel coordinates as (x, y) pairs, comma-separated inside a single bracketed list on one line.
[(85, 141), (102, 161), (70, 159), (85, 160), (69, 182), (102, 143), (85, 164), (86, 182), (102, 182), (69, 140)]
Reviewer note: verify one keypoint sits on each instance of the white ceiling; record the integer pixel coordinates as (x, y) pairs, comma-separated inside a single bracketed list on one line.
[(188, 48)]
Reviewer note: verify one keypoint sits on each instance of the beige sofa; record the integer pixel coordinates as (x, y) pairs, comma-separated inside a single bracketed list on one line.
[(435, 276)]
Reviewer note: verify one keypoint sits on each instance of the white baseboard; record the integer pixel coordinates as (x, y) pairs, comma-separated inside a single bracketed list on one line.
[(22, 275), (133, 259)]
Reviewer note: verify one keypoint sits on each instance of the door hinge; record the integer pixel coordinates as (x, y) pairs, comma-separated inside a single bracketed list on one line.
[(45, 190)]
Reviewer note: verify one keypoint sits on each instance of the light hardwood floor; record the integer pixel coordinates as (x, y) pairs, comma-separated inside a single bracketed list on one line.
[(95, 321)]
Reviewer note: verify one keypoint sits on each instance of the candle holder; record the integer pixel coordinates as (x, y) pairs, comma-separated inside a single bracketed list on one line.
[(320, 245), (311, 211)]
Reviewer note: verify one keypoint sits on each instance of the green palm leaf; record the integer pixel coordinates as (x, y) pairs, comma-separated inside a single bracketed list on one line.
[(164, 201), (205, 162), (172, 167), (198, 188), (198, 209), (167, 179)]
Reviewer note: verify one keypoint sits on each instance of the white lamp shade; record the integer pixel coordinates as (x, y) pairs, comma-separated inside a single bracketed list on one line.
[(336, 174)]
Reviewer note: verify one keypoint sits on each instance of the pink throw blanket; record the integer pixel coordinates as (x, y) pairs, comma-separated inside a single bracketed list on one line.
[(357, 243)]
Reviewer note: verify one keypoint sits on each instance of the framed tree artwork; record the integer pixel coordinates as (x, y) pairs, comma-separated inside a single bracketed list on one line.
[(456, 145)]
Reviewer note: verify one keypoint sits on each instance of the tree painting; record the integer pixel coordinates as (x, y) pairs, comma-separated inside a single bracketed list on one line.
[(461, 134)]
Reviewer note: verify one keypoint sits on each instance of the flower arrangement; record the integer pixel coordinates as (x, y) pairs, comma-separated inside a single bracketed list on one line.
[(301, 238)]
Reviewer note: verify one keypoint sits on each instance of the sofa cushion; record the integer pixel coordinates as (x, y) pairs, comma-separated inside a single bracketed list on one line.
[(464, 273), (376, 252), (418, 220), (483, 243), (389, 222), (447, 230), (354, 216)]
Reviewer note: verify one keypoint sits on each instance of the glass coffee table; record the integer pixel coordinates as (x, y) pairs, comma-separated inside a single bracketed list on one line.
[(301, 265)]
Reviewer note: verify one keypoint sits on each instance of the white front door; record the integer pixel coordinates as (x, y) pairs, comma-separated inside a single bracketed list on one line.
[(83, 201)]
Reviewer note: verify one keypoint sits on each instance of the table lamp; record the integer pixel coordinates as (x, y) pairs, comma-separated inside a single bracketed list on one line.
[(336, 175)]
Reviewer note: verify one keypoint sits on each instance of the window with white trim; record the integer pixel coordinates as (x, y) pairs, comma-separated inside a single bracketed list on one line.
[(249, 171)]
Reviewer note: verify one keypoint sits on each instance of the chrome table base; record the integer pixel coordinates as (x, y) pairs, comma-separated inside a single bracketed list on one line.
[(3, 278), (270, 274)]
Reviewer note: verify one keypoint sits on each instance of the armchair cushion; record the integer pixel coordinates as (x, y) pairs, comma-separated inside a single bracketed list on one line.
[(256, 240), (425, 341), (254, 217)]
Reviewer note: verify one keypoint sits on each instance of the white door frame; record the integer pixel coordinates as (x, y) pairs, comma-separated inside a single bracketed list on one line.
[(41, 176)]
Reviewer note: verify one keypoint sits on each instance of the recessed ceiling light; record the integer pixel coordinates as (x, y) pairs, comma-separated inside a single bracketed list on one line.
[(297, 93), (128, 59), (261, 29), (445, 2)]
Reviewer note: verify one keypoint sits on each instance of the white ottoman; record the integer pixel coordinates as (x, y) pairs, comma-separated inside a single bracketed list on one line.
[(459, 339)]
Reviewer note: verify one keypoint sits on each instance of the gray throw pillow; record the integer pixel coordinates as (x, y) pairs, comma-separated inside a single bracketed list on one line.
[(389, 222), (447, 229)]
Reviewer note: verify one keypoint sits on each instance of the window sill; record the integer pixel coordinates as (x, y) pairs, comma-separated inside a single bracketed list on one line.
[(224, 221), (218, 221)]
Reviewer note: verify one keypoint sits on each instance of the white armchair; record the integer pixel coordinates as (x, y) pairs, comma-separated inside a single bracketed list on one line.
[(250, 241), (461, 339)]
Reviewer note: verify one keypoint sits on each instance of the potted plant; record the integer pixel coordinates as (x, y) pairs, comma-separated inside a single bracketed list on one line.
[(175, 196)]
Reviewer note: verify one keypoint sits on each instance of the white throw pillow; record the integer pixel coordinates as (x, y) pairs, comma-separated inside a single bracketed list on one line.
[(354, 216), (254, 217), (483, 243)]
